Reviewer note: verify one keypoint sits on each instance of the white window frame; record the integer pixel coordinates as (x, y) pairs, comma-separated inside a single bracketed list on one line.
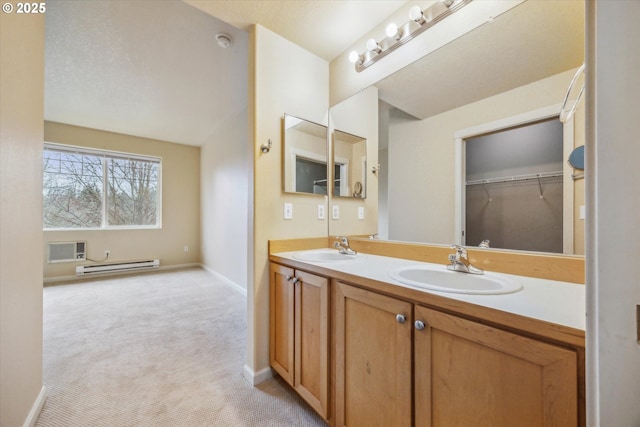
[(111, 154)]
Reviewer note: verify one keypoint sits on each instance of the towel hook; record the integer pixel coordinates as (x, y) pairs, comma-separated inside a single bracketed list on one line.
[(265, 148)]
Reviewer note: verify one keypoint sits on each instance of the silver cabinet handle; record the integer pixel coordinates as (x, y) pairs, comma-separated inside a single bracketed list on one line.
[(292, 279), (419, 325), (401, 318)]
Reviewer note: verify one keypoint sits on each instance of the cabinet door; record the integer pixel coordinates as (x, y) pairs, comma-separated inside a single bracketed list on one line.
[(373, 359), (312, 340), (281, 321), (469, 374)]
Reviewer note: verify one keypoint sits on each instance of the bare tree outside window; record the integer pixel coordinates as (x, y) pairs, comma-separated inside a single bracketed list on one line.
[(72, 190), (131, 192), (84, 190)]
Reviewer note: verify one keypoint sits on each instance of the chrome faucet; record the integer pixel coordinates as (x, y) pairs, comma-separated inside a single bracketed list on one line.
[(342, 245), (484, 244), (460, 261)]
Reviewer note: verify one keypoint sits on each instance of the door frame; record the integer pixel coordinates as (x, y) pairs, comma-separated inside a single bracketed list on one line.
[(521, 119)]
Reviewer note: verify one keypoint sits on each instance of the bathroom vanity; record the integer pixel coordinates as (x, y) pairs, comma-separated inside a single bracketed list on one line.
[(364, 349)]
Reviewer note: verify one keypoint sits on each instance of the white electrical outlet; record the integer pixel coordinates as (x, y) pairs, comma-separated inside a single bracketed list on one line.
[(321, 212), (335, 212), (288, 211), (360, 212), (186, 249), (582, 212)]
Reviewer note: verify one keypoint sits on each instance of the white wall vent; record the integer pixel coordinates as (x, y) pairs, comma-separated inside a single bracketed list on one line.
[(66, 252)]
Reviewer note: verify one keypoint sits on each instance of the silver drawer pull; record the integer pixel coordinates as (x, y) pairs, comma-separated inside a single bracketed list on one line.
[(419, 325), (401, 318)]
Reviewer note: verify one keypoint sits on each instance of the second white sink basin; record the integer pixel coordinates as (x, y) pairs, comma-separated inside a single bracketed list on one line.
[(324, 255), (438, 278)]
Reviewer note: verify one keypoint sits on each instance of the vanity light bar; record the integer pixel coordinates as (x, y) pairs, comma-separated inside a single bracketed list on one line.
[(420, 20)]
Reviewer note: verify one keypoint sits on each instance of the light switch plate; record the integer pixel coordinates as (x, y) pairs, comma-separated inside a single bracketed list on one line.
[(582, 212), (321, 212), (335, 212), (360, 212), (288, 211)]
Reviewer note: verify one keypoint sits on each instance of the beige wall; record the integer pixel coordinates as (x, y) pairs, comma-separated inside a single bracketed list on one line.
[(422, 159), (180, 204), (284, 79), (224, 181), (21, 104), (358, 115)]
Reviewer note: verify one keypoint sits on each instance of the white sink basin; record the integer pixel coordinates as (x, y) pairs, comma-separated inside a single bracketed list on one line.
[(324, 255), (438, 278)]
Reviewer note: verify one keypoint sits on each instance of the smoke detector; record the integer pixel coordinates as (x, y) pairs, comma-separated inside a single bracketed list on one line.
[(224, 40)]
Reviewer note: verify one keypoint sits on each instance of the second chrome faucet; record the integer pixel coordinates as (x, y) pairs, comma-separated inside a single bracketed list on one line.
[(342, 245), (459, 261)]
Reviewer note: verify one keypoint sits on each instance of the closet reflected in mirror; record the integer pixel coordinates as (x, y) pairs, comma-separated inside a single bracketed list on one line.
[(305, 156), (349, 165), (514, 188)]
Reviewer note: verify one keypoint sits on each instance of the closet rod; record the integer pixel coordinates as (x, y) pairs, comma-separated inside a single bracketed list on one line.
[(324, 181), (515, 178)]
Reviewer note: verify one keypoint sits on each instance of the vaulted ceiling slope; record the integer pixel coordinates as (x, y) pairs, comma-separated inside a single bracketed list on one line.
[(149, 69)]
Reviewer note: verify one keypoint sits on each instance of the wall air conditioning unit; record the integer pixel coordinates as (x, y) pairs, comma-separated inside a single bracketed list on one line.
[(117, 267), (66, 252)]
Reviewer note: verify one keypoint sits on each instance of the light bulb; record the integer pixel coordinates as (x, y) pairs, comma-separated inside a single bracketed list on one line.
[(392, 30), (354, 57), (372, 45), (415, 14)]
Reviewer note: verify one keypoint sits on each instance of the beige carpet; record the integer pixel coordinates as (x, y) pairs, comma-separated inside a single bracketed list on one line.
[(162, 349)]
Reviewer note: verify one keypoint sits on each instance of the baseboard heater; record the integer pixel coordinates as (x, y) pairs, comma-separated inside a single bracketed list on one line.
[(115, 267)]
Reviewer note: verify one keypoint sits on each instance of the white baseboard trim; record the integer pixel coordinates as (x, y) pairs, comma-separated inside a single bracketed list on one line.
[(178, 266), (255, 378), (225, 280), (34, 413)]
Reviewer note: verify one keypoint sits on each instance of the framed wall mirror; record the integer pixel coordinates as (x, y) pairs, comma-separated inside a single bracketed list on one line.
[(349, 165), (305, 158)]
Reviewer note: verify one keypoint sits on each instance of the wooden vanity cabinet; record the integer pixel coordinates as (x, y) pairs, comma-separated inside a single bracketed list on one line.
[(299, 333), (373, 336), (470, 374), (399, 364)]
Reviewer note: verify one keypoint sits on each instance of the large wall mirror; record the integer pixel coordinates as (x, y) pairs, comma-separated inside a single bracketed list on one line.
[(304, 156), (518, 63), (349, 165)]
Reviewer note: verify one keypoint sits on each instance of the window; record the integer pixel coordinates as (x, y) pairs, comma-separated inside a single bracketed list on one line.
[(85, 188)]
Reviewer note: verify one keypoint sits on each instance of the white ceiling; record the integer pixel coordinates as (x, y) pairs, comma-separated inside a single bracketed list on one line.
[(150, 69), (324, 27), (154, 69)]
